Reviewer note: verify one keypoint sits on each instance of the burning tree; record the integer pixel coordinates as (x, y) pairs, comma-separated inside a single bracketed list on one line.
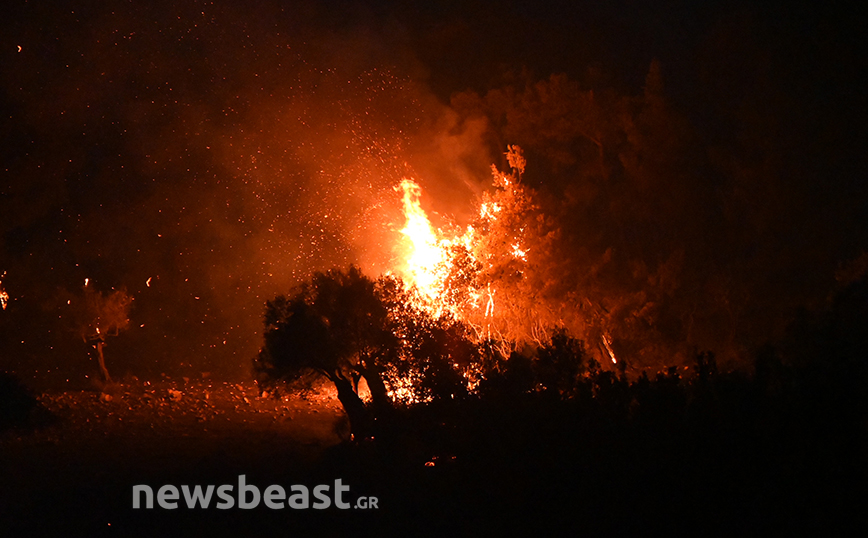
[(334, 326), (101, 316), (344, 326), (470, 294), (439, 357), (487, 275)]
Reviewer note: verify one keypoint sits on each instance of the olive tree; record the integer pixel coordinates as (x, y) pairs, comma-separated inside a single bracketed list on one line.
[(100, 316)]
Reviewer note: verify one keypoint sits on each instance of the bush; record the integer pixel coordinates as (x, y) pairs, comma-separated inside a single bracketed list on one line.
[(16, 403)]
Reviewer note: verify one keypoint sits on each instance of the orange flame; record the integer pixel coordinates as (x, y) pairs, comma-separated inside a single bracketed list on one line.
[(452, 274), (423, 262)]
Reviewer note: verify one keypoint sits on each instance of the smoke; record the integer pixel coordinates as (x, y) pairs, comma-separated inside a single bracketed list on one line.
[(209, 158)]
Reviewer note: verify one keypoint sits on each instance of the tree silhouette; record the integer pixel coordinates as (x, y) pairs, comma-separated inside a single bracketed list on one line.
[(336, 326), (560, 363), (101, 316), (344, 326)]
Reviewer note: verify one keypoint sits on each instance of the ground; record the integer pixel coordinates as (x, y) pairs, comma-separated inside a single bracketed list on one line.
[(499, 466), (75, 473)]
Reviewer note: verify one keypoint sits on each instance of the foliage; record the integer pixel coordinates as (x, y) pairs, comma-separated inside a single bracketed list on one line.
[(633, 258), (494, 281), (345, 327), (560, 364), (99, 316)]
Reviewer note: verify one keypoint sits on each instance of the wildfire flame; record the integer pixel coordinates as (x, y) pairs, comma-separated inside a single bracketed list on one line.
[(452, 273), (481, 275), (426, 255), (430, 258)]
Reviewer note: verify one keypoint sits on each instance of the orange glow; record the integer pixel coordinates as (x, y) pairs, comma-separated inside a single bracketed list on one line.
[(430, 258), (402, 390), (458, 273), (426, 255), (607, 342), (4, 297)]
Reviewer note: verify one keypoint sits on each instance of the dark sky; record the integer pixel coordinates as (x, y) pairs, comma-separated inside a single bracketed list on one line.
[(225, 150)]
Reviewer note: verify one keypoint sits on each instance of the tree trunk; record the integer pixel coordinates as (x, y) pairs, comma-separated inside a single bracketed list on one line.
[(360, 419), (106, 377), (379, 395)]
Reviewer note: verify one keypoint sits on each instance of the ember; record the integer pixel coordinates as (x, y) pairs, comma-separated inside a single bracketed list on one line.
[(4, 297)]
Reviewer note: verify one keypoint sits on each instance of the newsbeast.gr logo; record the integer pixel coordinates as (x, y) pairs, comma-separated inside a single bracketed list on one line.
[(248, 497)]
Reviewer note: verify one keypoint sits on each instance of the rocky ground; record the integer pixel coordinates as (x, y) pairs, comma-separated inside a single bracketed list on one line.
[(74, 473), (523, 465)]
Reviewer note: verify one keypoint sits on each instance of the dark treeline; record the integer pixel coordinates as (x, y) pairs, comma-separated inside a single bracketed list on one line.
[(547, 431)]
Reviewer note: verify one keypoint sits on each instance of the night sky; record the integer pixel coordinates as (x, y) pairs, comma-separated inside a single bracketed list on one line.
[(207, 156)]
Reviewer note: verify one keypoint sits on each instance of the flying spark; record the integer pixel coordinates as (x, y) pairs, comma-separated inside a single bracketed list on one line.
[(4, 297)]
